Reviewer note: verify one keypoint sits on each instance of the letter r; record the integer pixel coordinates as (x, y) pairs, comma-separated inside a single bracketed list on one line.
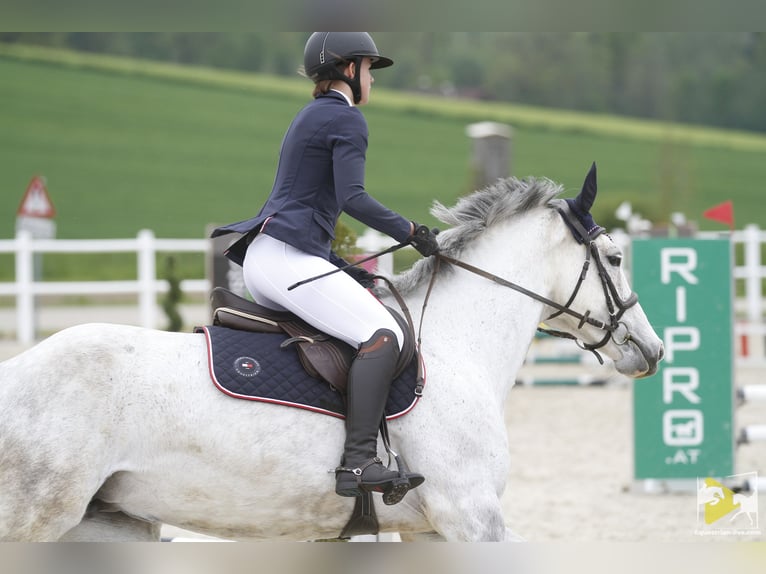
[(685, 262)]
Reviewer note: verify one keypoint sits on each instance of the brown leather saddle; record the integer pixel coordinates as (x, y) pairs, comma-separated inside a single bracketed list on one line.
[(322, 355)]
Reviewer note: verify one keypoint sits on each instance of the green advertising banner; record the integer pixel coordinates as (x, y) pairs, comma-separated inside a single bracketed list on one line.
[(683, 415)]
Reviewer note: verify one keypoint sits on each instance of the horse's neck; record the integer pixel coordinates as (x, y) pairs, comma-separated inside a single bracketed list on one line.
[(471, 322)]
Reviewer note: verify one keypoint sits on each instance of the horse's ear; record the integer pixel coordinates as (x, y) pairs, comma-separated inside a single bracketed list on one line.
[(587, 195)]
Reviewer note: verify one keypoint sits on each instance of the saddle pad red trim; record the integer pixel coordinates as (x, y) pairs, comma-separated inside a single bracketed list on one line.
[(253, 366)]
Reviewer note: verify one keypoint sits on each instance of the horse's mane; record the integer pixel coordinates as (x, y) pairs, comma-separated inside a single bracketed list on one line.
[(473, 214)]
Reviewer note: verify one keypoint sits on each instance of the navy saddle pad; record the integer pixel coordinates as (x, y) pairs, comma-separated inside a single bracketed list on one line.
[(252, 366)]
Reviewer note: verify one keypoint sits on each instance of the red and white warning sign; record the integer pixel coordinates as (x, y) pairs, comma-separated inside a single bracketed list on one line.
[(36, 201)]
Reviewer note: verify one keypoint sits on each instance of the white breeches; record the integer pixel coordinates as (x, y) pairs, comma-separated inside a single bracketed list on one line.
[(336, 304)]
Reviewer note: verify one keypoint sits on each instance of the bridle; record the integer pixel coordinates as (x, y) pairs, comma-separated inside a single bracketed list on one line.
[(615, 304)]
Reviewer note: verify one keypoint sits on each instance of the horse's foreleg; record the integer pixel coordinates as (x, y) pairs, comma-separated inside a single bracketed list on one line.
[(475, 516), (102, 525), (36, 504), (461, 496)]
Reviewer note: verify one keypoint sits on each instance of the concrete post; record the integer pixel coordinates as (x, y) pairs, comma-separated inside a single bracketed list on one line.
[(491, 152)]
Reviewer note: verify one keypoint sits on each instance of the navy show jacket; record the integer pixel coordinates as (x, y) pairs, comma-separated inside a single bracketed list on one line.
[(320, 174)]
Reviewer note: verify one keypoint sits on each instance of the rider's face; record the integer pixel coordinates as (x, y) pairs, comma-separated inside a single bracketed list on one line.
[(365, 78)]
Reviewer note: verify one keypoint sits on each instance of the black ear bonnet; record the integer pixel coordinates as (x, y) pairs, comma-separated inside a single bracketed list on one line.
[(580, 207)]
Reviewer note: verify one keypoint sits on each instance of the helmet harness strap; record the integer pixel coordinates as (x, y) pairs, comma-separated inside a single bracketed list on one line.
[(354, 82)]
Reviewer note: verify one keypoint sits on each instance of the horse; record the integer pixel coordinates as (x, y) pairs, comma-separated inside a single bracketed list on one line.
[(109, 431), (748, 505)]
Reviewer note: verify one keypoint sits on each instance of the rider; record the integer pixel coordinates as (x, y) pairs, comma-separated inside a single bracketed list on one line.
[(319, 175)]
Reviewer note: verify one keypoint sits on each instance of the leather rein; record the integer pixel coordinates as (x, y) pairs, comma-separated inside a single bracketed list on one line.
[(615, 304)]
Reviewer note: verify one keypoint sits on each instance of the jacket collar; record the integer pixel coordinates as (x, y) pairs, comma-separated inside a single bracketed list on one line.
[(338, 96)]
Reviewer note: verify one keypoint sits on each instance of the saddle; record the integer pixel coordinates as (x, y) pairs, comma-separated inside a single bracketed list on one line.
[(322, 356)]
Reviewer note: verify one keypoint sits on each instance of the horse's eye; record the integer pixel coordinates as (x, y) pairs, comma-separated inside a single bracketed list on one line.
[(614, 260)]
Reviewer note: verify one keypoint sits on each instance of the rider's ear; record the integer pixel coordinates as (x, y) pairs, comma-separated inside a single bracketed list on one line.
[(351, 69), (587, 195)]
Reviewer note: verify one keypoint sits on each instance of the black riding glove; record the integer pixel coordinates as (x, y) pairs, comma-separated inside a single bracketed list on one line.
[(424, 240), (362, 276)]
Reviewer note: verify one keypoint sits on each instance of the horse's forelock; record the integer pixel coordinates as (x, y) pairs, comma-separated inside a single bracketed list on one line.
[(474, 213)]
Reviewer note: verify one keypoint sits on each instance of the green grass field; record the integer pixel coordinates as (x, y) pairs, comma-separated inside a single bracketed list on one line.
[(126, 145)]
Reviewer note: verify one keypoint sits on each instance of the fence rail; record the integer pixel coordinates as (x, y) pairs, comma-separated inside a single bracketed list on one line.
[(749, 327), (26, 287)]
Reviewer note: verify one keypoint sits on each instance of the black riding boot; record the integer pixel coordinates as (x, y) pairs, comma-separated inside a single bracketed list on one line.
[(369, 381)]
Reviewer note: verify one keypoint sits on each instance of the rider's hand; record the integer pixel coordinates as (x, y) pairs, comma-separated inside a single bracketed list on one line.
[(424, 240), (362, 276)]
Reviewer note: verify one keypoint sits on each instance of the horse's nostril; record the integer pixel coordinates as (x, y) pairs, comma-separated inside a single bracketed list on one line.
[(661, 353)]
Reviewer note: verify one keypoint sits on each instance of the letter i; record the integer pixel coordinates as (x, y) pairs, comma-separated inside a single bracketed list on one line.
[(681, 304)]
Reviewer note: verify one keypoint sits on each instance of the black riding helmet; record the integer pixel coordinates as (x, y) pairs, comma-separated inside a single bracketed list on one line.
[(325, 51)]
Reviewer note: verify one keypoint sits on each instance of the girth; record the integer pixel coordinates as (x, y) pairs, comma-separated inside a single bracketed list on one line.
[(323, 356)]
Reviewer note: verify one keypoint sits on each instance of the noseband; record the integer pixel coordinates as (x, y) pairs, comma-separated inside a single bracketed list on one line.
[(615, 304)]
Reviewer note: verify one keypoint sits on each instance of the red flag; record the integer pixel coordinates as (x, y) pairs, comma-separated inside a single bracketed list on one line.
[(723, 212)]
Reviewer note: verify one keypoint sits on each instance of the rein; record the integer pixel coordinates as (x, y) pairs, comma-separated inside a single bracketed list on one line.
[(615, 304), (584, 318)]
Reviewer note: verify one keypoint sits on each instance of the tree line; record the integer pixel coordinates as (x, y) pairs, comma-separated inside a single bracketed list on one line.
[(716, 79)]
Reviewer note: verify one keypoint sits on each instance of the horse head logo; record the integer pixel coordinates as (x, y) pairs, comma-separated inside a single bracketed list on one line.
[(719, 501)]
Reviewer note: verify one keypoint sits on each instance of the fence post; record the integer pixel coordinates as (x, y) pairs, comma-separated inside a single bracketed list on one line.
[(491, 152), (25, 295), (753, 288), (147, 277)]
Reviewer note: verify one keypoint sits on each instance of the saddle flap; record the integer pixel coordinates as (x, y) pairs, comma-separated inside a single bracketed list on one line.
[(322, 356)]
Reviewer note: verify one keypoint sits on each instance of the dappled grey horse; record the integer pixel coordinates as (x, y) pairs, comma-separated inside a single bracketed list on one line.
[(109, 431)]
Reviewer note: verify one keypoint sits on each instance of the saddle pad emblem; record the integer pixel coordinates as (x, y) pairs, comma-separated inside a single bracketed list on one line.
[(247, 366), (254, 367)]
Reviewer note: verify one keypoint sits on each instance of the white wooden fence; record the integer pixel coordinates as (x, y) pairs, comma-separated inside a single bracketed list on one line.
[(750, 329), (146, 285)]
